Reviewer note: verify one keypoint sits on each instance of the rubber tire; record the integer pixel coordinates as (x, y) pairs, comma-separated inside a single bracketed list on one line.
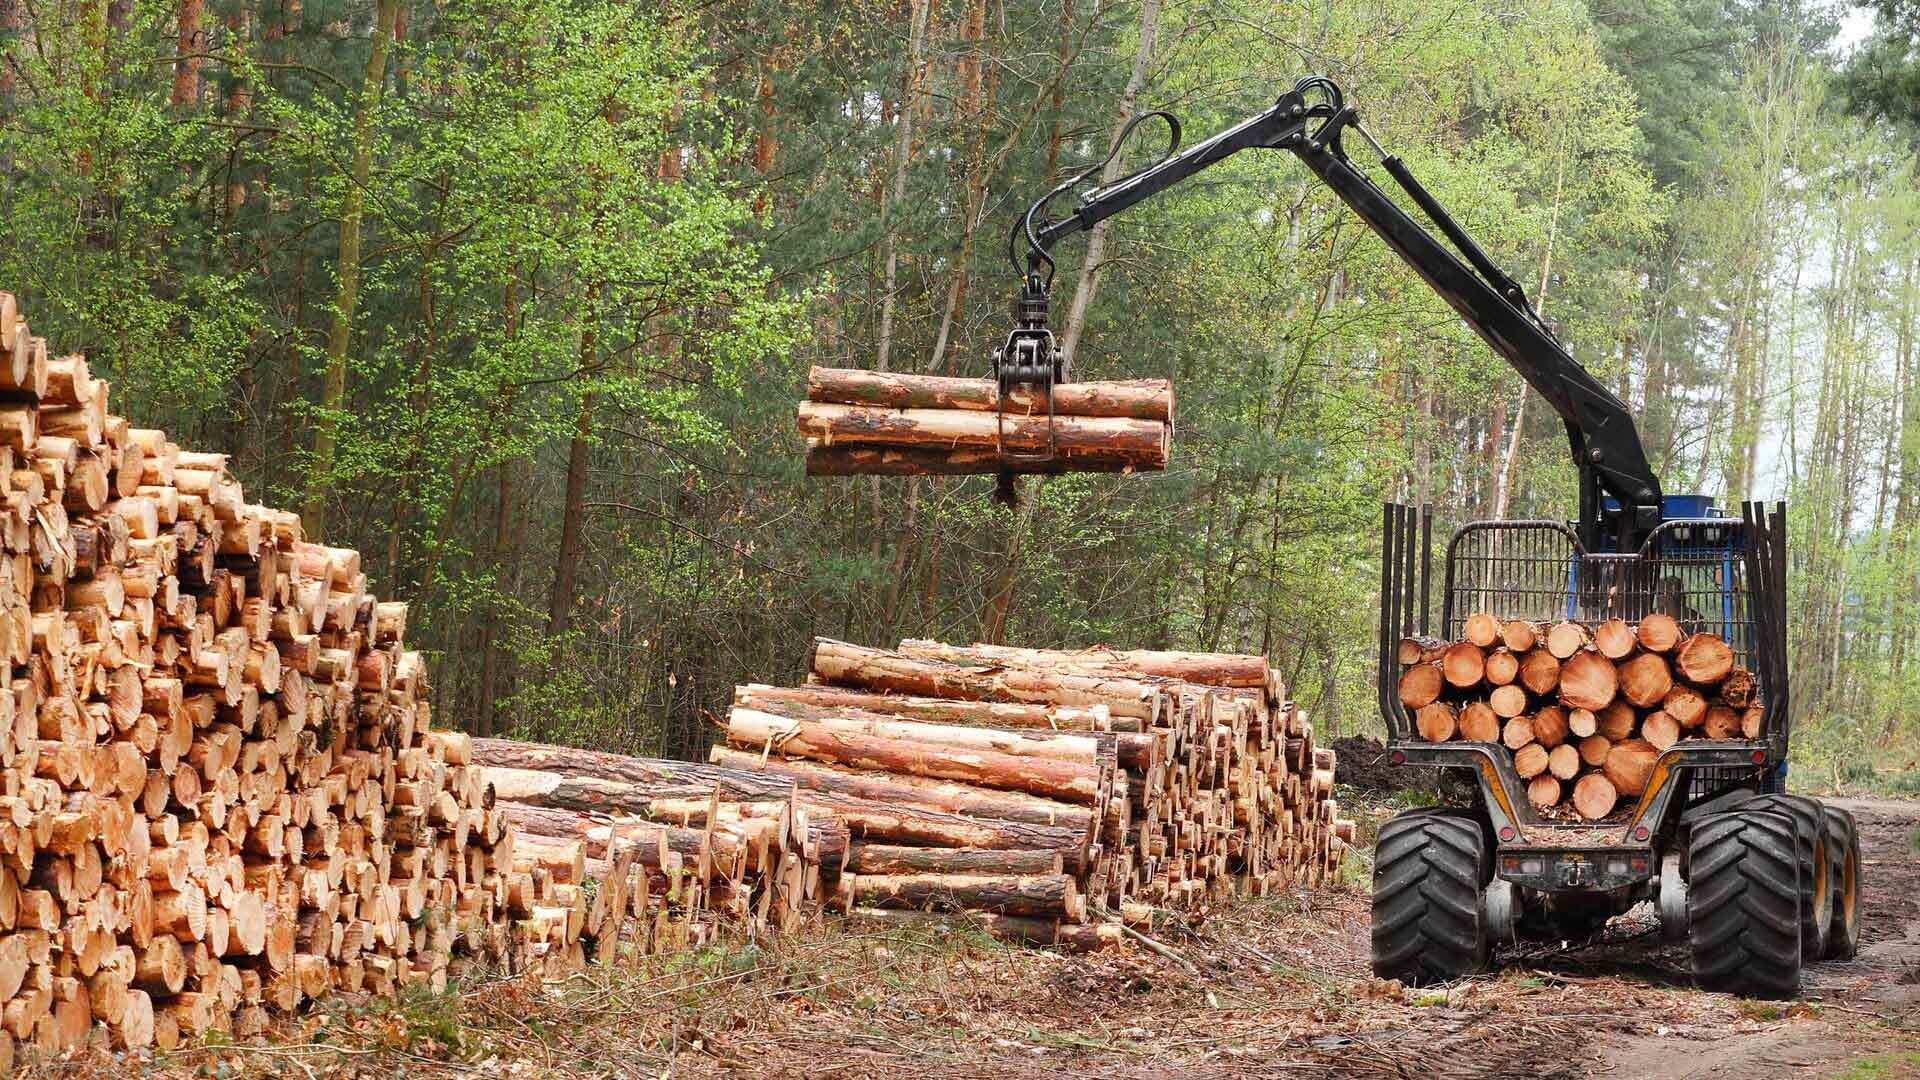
[(1816, 879), (1428, 926), (1743, 903), (1843, 866)]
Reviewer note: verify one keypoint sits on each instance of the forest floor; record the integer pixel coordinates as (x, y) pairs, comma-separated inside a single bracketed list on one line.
[(1268, 987)]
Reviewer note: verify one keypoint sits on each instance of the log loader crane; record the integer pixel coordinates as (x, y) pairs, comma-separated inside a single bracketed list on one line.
[(1754, 879)]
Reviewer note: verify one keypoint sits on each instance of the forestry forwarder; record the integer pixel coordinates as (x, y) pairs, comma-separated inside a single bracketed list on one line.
[(1754, 879)]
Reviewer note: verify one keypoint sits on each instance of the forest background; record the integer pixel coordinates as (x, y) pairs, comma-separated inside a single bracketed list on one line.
[(517, 298)]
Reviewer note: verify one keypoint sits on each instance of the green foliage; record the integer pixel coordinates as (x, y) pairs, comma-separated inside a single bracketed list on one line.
[(603, 243)]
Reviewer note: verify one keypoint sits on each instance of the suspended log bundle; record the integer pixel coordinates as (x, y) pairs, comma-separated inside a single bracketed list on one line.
[(885, 423), (219, 791), (1035, 790), (1590, 709)]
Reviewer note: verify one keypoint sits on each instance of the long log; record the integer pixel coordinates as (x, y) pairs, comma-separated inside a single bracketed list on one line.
[(1085, 748), (1025, 894), (1143, 441), (866, 858), (903, 823), (1002, 714), (661, 778), (947, 796), (1139, 399), (1208, 669), (857, 459), (593, 795), (877, 669), (751, 729), (1012, 929)]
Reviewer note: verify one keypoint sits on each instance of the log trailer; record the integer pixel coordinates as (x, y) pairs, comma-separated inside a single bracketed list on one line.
[(1754, 879)]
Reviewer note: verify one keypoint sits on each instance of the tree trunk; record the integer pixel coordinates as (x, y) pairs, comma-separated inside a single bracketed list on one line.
[(946, 796), (902, 158), (346, 301), (186, 70), (1088, 282)]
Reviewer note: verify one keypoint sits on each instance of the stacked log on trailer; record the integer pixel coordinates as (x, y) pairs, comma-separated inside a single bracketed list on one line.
[(884, 423), (1584, 709), (1050, 791), (674, 847), (219, 793)]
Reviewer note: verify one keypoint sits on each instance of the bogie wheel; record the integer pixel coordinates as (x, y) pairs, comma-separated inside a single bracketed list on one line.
[(1816, 879), (1843, 869), (1743, 903), (1428, 926)]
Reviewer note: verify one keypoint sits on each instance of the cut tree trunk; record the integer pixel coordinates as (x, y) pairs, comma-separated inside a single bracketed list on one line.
[(1703, 660), (1540, 672), (1614, 639), (1629, 766), (946, 796), (1479, 723), (1588, 680), (865, 858), (1507, 701), (1030, 894), (1531, 760), (1463, 665), (1645, 680), (1502, 667), (1435, 722), (1420, 686), (1481, 629), (1594, 797), (1567, 638), (1658, 632), (1144, 442), (1550, 726), (1543, 791), (1138, 399), (877, 669)]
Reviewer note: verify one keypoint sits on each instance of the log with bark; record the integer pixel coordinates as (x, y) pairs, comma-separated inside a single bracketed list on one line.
[(904, 425)]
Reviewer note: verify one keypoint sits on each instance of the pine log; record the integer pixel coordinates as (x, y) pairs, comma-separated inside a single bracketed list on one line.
[(1418, 650), (1531, 760), (1738, 688), (1658, 632), (1237, 670), (1435, 722), (1617, 721), (1540, 672), (1588, 680), (1659, 729), (751, 729), (1629, 766), (1519, 635), (1645, 680), (876, 669), (1517, 733), (1481, 629), (1463, 665), (1752, 719), (1614, 639), (938, 710), (1502, 667), (1722, 722), (1594, 796), (858, 459), (1030, 894), (1420, 686), (1550, 726), (1479, 723), (1564, 761), (1085, 748), (968, 799), (1139, 399), (1594, 749), (1687, 706), (1507, 701), (867, 858), (1581, 723), (1703, 660), (1543, 791), (1567, 638), (653, 778), (1145, 442)]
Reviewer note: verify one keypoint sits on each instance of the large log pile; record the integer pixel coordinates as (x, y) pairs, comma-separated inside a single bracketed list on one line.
[(1047, 789), (219, 794), (1584, 709), (876, 422)]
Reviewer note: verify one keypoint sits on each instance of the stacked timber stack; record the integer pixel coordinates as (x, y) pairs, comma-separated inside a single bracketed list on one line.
[(1047, 790), (1585, 710), (673, 845), (876, 422), (219, 793)]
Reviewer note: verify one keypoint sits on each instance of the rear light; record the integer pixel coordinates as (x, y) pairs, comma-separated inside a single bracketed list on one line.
[(1507, 833), (1399, 757), (1641, 833), (1759, 757), (1639, 864)]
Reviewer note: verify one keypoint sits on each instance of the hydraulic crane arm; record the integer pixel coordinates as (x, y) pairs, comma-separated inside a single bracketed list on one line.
[(1309, 121)]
